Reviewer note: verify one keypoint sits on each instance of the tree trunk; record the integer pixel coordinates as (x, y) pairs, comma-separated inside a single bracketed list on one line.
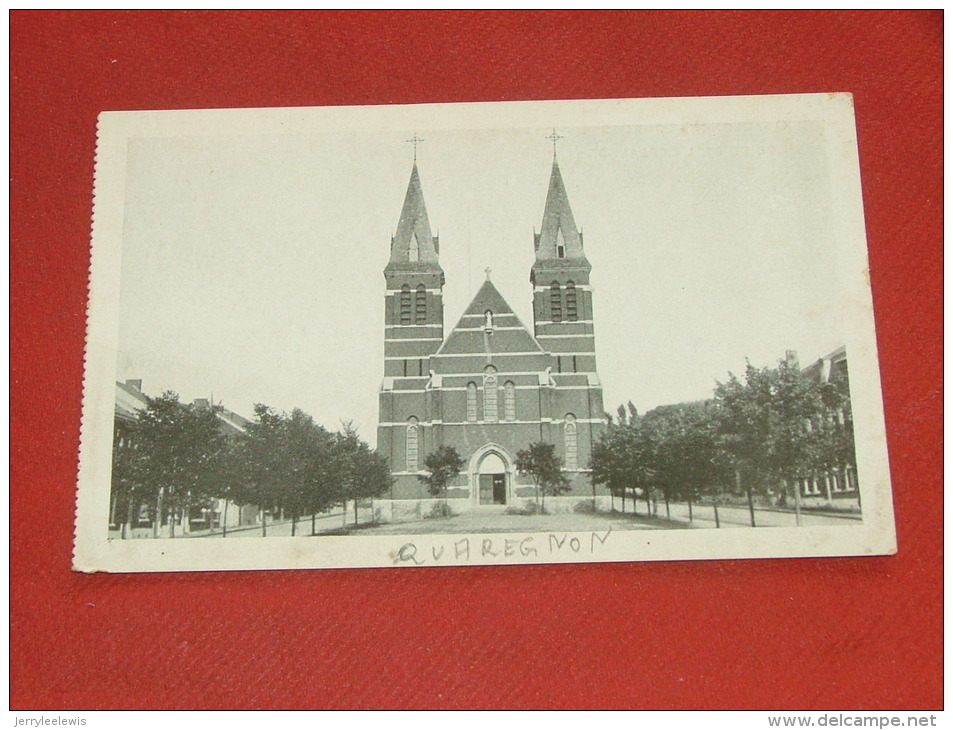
[(264, 526), (355, 510), (612, 499), (715, 505), (797, 503), (748, 493), (128, 524), (294, 522), (157, 517), (224, 518), (313, 517), (623, 501), (691, 517), (668, 511)]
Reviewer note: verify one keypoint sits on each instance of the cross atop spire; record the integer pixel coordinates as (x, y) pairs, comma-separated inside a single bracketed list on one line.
[(415, 140), (555, 138), (487, 270)]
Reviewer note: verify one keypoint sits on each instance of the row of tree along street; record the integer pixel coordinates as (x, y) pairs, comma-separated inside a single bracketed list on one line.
[(177, 458), (759, 435)]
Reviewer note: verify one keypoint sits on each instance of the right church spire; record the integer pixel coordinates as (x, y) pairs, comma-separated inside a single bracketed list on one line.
[(562, 297)]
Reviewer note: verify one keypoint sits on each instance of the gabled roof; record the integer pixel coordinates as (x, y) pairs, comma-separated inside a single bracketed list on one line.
[(129, 401), (413, 233), (468, 335), (488, 298)]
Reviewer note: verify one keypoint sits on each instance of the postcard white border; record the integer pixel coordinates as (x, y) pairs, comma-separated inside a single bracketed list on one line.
[(93, 551)]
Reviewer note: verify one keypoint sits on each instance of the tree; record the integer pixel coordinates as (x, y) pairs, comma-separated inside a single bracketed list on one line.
[(177, 457), (540, 463), (443, 466), (293, 464), (621, 458), (685, 456), (765, 423), (261, 461), (307, 473), (360, 471), (124, 495)]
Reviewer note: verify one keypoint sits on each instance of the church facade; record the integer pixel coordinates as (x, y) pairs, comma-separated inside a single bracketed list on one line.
[(490, 387)]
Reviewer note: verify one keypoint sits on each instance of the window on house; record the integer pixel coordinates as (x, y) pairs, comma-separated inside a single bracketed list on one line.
[(555, 302), (572, 455), (412, 443), (471, 402), (405, 304), (413, 253), (572, 313), (420, 305), (509, 401), (560, 244), (490, 396)]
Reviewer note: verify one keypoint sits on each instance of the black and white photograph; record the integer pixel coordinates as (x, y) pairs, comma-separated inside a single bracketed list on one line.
[(486, 333)]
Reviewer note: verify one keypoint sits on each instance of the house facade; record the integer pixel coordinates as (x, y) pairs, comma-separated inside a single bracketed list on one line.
[(491, 386)]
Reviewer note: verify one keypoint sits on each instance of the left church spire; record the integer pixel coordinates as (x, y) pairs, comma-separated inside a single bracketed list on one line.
[(414, 247), (413, 306)]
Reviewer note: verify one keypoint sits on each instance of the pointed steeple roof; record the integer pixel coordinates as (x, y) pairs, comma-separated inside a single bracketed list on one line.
[(558, 237), (414, 247)]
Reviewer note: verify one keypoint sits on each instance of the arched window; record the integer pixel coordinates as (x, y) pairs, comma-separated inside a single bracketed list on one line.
[(405, 304), (420, 305), (488, 315), (413, 253), (572, 313), (490, 396), (471, 401), (509, 401), (555, 302), (560, 244), (572, 454), (413, 434)]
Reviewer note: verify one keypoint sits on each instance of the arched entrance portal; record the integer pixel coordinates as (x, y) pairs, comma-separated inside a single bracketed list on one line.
[(491, 476), (492, 480)]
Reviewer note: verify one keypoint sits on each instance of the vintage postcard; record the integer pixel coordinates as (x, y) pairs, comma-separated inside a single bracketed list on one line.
[(487, 333)]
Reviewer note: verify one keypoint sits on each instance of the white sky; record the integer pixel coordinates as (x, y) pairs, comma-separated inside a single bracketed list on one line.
[(252, 265)]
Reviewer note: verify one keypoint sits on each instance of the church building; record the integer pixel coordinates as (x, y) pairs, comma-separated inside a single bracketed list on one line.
[(490, 387)]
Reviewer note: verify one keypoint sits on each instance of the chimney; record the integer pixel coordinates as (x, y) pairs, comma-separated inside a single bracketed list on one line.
[(200, 403), (137, 384)]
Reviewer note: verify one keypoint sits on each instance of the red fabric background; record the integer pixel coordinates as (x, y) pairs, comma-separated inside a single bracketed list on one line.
[(779, 634)]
